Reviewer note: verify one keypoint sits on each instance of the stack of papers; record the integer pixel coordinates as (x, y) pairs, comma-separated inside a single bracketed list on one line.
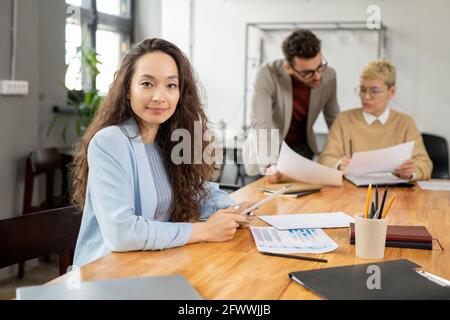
[(309, 220), (434, 185), (296, 167), (376, 166), (296, 190), (269, 239), (295, 187)]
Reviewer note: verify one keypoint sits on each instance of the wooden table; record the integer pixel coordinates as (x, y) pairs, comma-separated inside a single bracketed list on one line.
[(235, 269)]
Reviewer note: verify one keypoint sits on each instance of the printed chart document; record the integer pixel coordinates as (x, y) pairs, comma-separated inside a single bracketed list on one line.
[(381, 160), (309, 220), (269, 239), (296, 167), (434, 185)]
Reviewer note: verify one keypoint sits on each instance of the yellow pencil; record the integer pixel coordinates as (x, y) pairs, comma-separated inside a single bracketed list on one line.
[(388, 207), (369, 192)]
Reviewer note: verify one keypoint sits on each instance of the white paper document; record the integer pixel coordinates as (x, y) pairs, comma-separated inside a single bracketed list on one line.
[(269, 239), (381, 160), (309, 220), (434, 185), (296, 167)]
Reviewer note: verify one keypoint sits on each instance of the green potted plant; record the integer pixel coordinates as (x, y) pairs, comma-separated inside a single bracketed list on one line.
[(82, 104)]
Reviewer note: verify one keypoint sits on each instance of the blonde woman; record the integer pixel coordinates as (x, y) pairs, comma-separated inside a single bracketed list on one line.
[(374, 125)]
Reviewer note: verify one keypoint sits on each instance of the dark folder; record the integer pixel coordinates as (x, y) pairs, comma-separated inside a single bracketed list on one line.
[(415, 237), (398, 279)]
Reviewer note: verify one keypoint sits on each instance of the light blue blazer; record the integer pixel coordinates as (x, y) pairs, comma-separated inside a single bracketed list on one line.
[(121, 199)]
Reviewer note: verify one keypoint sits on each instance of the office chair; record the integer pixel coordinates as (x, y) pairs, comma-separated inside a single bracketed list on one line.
[(39, 234), (437, 149), (42, 162), (229, 187)]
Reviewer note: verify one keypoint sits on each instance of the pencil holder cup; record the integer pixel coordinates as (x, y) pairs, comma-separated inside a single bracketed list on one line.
[(370, 237)]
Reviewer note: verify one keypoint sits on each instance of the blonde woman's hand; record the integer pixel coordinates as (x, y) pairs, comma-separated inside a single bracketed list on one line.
[(406, 169), (344, 163)]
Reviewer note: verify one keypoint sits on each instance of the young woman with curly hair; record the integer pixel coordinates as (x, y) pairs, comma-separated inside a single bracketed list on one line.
[(132, 194)]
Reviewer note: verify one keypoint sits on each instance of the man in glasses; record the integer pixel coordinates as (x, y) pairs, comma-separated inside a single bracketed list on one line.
[(376, 126), (289, 95)]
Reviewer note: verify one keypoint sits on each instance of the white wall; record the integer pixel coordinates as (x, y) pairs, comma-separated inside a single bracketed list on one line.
[(24, 120), (52, 21), (417, 44), (176, 23), (147, 19), (19, 116)]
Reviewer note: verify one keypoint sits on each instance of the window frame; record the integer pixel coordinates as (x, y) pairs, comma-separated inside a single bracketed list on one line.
[(90, 20)]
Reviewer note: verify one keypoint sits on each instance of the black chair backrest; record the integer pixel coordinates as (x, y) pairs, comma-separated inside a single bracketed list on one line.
[(45, 161), (39, 234), (229, 187), (437, 149)]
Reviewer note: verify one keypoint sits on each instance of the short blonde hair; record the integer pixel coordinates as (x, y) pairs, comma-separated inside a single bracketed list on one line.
[(380, 69)]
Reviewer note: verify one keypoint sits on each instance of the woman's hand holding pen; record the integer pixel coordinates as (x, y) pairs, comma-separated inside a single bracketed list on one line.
[(344, 163), (406, 169)]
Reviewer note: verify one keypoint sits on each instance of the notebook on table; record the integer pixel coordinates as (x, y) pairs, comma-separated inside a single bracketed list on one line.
[(293, 194), (383, 178), (390, 280), (414, 237), (297, 187), (174, 287)]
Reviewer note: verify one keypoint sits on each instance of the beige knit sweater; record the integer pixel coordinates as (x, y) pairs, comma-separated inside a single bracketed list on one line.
[(399, 128)]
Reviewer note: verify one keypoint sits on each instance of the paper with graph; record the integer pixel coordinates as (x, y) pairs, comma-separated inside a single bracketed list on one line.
[(269, 239)]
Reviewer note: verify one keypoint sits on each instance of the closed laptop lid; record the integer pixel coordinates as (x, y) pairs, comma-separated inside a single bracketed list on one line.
[(174, 287)]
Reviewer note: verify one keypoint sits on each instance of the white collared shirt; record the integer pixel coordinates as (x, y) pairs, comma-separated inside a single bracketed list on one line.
[(383, 118)]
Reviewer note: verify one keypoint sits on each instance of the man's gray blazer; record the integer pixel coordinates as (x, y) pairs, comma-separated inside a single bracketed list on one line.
[(272, 109)]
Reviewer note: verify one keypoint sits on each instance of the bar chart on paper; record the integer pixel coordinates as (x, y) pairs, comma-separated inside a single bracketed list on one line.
[(269, 239)]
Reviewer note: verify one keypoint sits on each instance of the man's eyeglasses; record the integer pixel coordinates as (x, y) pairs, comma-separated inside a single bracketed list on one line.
[(373, 92), (308, 74)]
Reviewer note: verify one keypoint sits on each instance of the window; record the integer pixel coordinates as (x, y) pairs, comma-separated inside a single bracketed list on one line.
[(107, 27), (114, 7)]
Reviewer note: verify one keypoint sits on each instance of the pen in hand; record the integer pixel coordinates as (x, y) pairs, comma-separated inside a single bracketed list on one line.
[(351, 148)]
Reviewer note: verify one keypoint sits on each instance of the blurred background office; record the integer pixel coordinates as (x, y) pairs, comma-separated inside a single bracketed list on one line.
[(69, 50)]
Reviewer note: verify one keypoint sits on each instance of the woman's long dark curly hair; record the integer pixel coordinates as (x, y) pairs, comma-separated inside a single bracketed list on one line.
[(187, 180)]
